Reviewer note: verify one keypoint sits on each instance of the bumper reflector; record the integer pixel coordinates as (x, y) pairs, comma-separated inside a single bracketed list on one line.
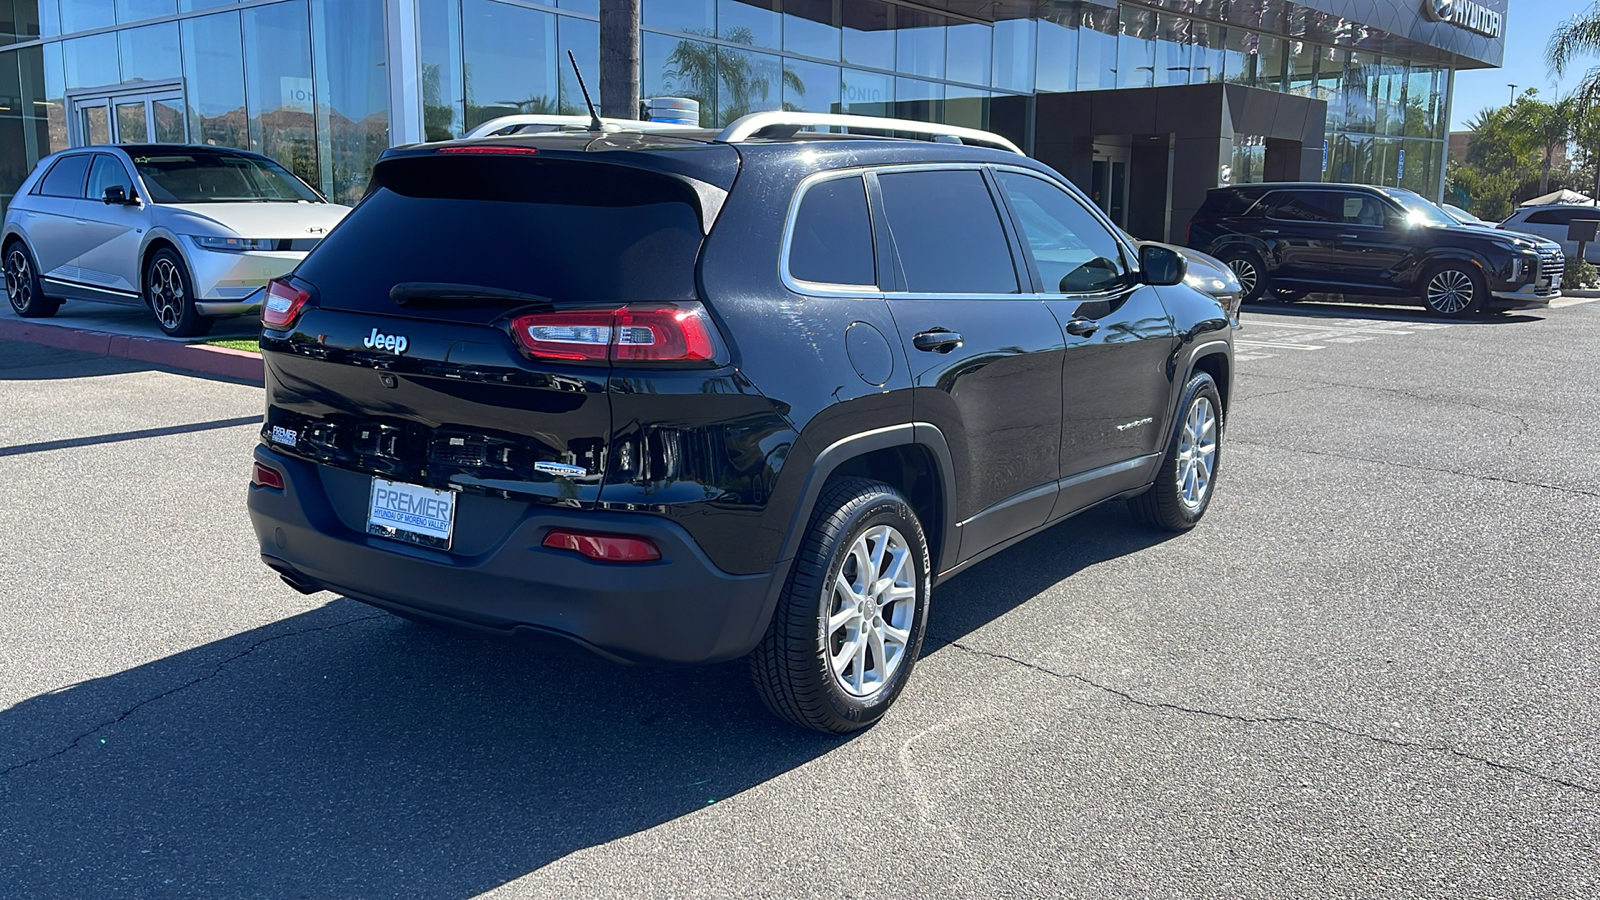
[(603, 547), (266, 476)]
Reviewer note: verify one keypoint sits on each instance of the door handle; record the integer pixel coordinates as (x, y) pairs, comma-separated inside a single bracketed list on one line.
[(1269, 231), (1349, 237), (936, 340), (1082, 327)]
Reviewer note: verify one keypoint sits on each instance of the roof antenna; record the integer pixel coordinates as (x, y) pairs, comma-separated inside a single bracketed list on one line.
[(594, 118)]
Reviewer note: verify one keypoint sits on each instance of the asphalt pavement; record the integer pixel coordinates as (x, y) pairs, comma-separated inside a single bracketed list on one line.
[(1368, 673)]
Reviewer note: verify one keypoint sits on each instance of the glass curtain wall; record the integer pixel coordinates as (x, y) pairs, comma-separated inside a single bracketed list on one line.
[(303, 81)]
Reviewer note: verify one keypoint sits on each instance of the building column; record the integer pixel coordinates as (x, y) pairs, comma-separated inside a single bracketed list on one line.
[(405, 72)]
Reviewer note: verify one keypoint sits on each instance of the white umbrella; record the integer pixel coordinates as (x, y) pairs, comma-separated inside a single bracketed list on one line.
[(1561, 196)]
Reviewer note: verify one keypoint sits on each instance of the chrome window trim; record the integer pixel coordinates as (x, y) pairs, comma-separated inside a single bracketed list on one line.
[(822, 288)]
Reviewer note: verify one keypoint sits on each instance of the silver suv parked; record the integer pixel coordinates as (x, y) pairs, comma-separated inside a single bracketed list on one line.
[(193, 233)]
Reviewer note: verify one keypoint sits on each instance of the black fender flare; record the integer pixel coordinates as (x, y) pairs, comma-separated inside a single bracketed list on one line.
[(839, 452)]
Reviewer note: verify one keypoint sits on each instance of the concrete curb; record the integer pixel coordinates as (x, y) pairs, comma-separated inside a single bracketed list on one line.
[(224, 362)]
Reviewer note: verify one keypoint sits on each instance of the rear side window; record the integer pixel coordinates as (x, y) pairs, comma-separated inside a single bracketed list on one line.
[(1313, 206), (1226, 204), (832, 238), (948, 233), (1551, 217), (66, 177), (578, 233)]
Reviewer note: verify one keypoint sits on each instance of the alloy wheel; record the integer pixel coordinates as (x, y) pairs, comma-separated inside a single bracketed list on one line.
[(1197, 453), (1245, 271), (19, 279), (869, 610), (1450, 291), (166, 293)]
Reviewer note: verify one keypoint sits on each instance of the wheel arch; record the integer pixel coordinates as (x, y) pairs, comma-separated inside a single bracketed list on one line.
[(1215, 361), (913, 457)]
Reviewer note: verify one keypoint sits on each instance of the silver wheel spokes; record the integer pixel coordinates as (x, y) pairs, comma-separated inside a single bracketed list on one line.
[(1245, 272), (19, 282), (869, 610), (1450, 291), (166, 293), (1197, 453)]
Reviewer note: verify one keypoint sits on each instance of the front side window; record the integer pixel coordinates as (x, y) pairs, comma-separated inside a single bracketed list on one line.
[(1312, 206), (66, 177), (948, 232), (1362, 209), (832, 238), (1073, 251), (106, 172), (204, 177)]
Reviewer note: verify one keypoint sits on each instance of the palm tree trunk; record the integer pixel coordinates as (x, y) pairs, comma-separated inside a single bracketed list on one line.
[(619, 59)]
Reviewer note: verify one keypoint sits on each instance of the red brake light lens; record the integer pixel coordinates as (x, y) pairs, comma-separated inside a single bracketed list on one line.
[(267, 477), (646, 333), (603, 547), (284, 304), (491, 150)]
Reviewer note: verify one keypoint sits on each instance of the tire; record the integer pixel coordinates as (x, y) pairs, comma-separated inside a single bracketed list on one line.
[(817, 619), (169, 291), (1454, 291), (1187, 479), (1251, 272), (23, 287)]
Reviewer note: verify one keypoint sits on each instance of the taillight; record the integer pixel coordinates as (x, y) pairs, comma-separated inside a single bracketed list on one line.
[(284, 304), (630, 334), (267, 477), (603, 547)]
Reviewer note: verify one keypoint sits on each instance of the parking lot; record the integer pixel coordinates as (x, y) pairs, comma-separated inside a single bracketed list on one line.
[(1368, 673)]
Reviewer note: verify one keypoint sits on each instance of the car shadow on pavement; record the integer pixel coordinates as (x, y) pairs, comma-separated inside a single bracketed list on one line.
[(1341, 307), (345, 752)]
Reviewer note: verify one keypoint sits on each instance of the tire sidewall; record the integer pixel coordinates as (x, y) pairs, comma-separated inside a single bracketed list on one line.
[(881, 509), (1480, 290), (1200, 385)]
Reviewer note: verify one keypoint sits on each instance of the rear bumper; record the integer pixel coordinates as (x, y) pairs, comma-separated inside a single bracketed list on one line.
[(680, 609)]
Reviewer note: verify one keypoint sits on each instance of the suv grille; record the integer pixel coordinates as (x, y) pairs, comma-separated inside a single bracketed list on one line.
[(1551, 263)]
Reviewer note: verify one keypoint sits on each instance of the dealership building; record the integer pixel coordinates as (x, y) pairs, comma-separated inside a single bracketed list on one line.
[(1144, 105)]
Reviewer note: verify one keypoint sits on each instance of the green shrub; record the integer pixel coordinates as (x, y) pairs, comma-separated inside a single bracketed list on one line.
[(1580, 274)]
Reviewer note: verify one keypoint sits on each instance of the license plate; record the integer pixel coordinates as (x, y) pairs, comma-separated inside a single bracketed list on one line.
[(408, 512)]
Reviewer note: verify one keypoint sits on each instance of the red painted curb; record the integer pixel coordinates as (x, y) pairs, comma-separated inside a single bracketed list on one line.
[(224, 362)]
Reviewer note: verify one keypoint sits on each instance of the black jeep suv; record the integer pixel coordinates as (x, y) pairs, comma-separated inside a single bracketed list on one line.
[(1285, 240), (687, 397)]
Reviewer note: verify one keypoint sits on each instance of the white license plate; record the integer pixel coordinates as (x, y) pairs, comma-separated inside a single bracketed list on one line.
[(411, 513)]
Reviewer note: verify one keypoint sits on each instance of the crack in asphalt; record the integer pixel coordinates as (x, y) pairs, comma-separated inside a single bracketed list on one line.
[(1389, 462), (1283, 720), (216, 670)]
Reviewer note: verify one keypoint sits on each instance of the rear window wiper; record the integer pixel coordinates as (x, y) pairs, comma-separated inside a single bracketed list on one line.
[(413, 293)]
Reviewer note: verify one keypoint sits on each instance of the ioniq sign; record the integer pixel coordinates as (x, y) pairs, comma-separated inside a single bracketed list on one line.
[(1466, 14)]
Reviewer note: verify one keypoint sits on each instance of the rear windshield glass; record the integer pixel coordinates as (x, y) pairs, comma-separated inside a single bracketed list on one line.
[(220, 178), (574, 232)]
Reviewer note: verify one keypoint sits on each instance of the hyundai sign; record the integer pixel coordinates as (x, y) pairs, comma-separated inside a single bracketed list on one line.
[(1466, 14)]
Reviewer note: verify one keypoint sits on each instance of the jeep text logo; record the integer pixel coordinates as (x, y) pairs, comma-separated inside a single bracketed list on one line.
[(394, 343), (1467, 14)]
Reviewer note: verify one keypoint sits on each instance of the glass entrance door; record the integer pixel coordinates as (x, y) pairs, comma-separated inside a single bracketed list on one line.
[(130, 118), (1109, 182)]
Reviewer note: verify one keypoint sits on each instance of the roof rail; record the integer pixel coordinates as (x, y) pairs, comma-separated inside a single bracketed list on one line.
[(781, 124), (570, 123)]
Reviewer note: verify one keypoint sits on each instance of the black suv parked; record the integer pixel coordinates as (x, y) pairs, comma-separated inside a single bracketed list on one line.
[(1285, 240), (689, 396)]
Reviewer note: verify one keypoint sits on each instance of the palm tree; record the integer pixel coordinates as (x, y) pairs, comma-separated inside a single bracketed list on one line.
[(1578, 36), (1544, 128)]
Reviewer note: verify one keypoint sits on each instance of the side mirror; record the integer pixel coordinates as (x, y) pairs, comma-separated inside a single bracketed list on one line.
[(1162, 265), (116, 194)]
